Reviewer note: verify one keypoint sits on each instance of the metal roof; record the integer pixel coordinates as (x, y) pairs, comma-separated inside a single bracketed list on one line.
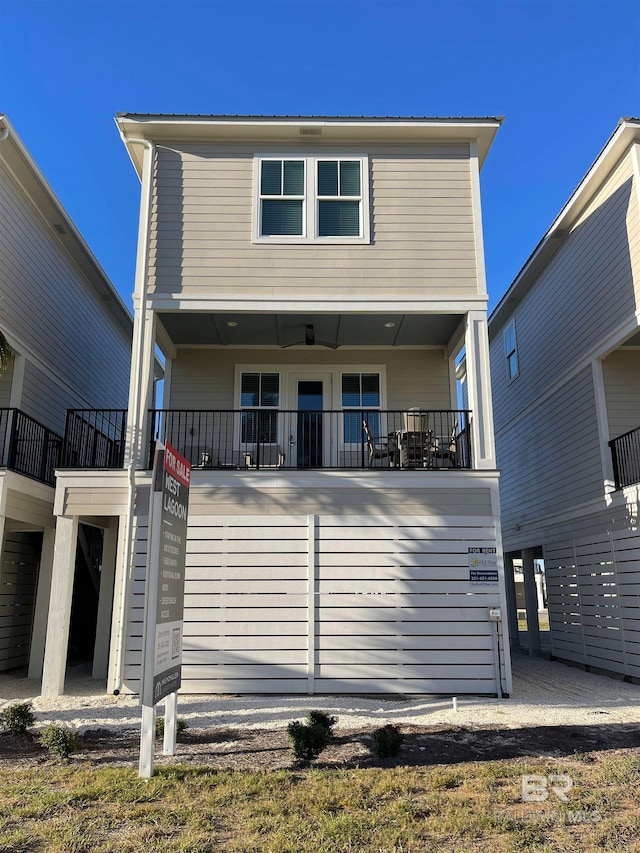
[(230, 117)]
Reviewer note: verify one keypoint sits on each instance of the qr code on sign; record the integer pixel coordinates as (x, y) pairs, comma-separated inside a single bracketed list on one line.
[(175, 644)]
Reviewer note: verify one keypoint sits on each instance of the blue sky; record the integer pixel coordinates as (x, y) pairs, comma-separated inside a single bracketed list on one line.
[(562, 72)]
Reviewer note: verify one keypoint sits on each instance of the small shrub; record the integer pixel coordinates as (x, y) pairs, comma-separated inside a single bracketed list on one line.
[(59, 740), (387, 741), (17, 718), (181, 726), (322, 719), (307, 742)]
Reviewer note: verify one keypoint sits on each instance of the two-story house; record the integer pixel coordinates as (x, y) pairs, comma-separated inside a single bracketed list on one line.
[(69, 335), (565, 366), (310, 282)]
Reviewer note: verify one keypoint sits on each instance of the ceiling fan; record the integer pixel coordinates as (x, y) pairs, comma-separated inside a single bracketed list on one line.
[(310, 339)]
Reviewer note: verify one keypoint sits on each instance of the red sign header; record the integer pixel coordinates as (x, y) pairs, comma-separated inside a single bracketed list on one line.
[(177, 465)]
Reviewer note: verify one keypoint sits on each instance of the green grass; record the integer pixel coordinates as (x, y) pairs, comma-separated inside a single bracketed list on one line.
[(467, 807)]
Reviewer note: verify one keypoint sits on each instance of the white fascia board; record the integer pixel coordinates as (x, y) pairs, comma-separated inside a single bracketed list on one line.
[(342, 305), (190, 129)]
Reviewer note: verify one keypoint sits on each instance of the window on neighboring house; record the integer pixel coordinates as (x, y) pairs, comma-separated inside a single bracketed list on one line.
[(260, 391), (360, 391), (511, 350), (312, 199)]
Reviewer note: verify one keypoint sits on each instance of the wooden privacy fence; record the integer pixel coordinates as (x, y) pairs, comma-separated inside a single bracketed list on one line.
[(593, 591), (327, 604), (19, 564)]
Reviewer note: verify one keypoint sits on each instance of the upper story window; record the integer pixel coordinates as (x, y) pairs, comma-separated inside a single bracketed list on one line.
[(511, 350), (282, 198), (312, 199)]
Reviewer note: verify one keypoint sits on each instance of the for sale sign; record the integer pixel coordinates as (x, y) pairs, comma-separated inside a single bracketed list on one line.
[(167, 555)]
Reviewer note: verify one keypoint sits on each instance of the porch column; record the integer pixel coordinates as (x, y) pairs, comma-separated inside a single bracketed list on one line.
[(62, 575), (105, 601), (141, 389), (121, 600), (512, 604), (479, 390), (143, 343), (531, 601), (41, 613)]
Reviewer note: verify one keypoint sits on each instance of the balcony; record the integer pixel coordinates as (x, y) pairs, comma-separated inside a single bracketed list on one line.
[(28, 447), (94, 438), (288, 439), (276, 438), (625, 453)]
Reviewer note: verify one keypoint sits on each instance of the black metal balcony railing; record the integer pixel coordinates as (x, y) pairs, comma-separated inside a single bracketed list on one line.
[(354, 438), (28, 447), (94, 438), (625, 453)]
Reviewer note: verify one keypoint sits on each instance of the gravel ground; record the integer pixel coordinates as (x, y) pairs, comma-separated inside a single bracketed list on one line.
[(545, 693)]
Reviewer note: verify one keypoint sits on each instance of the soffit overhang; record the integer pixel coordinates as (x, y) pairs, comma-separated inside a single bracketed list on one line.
[(196, 329), (136, 129)]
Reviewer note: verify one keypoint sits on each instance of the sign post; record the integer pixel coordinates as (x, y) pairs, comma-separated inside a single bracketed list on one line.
[(164, 600)]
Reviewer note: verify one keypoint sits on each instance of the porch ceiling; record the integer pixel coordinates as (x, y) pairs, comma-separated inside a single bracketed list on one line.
[(281, 330)]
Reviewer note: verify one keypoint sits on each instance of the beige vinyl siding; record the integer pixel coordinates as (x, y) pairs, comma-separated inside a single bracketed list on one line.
[(621, 371), (550, 455), (204, 379), (583, 294), (251, 496), (62, 323), (422, 230), (30, 510)]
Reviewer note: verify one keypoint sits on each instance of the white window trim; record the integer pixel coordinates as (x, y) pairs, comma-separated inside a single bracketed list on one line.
[(511, 325), (346, 409), (310, 204), (237, 430), (288, 396)]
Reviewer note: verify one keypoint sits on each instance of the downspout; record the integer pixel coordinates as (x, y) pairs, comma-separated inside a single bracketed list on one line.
[(140, 295)]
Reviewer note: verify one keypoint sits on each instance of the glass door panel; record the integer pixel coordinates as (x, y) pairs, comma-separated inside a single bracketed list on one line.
[(309, 437)]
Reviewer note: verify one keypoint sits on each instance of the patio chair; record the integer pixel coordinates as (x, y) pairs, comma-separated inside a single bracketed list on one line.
[(447, 448), (270, 456), (377, 446)]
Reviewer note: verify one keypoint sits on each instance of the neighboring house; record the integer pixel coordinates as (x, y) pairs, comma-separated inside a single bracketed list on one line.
[(310, 282), (70, 339), (565, 367)]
